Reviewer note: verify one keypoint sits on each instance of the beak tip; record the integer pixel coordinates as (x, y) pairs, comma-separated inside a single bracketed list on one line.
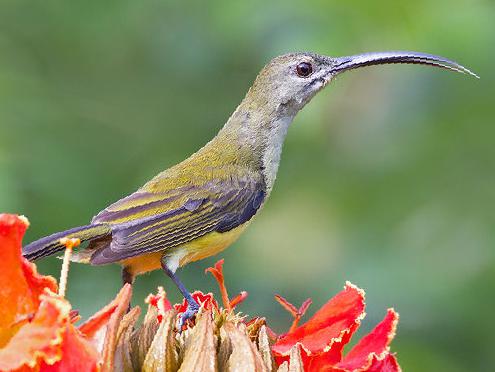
[(466, 71)]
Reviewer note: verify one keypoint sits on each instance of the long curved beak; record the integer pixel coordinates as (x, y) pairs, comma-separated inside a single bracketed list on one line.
[(342, 64)]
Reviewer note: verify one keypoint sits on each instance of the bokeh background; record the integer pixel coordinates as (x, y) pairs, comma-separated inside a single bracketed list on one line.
[(387, 178)]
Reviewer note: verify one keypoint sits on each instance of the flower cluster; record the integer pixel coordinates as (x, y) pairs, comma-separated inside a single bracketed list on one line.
[(38, 330)]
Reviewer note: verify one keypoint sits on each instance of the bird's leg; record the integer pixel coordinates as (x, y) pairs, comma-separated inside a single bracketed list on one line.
[(192, 305), (127, 277)]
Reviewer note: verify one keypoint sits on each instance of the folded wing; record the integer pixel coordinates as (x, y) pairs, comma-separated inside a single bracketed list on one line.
[(148, 221)]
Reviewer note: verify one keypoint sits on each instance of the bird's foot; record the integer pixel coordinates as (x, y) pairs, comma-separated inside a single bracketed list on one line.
[(191, 311)]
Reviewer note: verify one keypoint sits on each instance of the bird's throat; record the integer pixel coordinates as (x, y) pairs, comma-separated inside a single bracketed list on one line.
[(258, 131), (272, 152)]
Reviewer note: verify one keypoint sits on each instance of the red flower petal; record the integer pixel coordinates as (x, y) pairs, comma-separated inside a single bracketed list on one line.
[(373, 345), (333, 355), (202, 299), (19, 300), (160, 302), (387, 364), (328, 330)]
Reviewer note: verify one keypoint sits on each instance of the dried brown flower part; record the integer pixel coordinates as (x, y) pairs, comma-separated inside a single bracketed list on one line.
[(200, 346), (143, 337), (111, 335), (296, 363), (265, 349), (244, 353), (123, 351), (219, 341), (162, 353)]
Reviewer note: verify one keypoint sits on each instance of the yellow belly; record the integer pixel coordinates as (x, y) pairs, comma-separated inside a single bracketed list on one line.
[(206, 246)]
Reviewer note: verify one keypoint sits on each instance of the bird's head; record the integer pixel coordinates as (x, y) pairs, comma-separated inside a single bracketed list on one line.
[(288, 82)]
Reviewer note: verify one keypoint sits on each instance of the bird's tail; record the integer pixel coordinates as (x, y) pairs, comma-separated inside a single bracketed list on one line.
[(51, 244)]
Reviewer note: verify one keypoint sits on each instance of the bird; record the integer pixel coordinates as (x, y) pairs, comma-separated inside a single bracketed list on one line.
[(200, 206)]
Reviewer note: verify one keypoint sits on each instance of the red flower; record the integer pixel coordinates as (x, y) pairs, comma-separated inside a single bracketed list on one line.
[(36, 330), (21, 284), (324, 336), (49, 342)]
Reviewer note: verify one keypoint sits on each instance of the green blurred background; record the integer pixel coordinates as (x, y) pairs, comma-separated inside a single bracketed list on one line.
[(387, 177)]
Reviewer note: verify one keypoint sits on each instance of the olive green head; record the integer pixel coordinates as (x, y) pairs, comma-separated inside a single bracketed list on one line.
[(291, 80)]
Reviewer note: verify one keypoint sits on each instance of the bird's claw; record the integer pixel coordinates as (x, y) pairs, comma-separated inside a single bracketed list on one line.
[(191, 311)]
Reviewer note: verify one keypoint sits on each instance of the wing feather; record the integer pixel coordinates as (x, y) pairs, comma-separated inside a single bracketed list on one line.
[(147, 222)]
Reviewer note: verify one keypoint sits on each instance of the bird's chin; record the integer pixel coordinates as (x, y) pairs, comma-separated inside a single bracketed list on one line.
[(319, 85), (306, 94), (316, 85), (328, 78)]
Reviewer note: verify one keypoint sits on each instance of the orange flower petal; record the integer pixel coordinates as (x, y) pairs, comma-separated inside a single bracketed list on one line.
[(78, 354), (372, 346), (48, 340), (328, 330), (19, 300), (97, 323), (39, 339)]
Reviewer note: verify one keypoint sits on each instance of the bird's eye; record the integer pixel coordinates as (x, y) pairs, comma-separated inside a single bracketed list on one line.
[(304, 69)]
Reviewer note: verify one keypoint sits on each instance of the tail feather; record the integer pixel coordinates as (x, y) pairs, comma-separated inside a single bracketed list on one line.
[(51, 244)]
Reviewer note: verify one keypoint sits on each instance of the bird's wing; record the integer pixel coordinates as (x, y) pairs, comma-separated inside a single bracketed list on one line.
[(148, 221)]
